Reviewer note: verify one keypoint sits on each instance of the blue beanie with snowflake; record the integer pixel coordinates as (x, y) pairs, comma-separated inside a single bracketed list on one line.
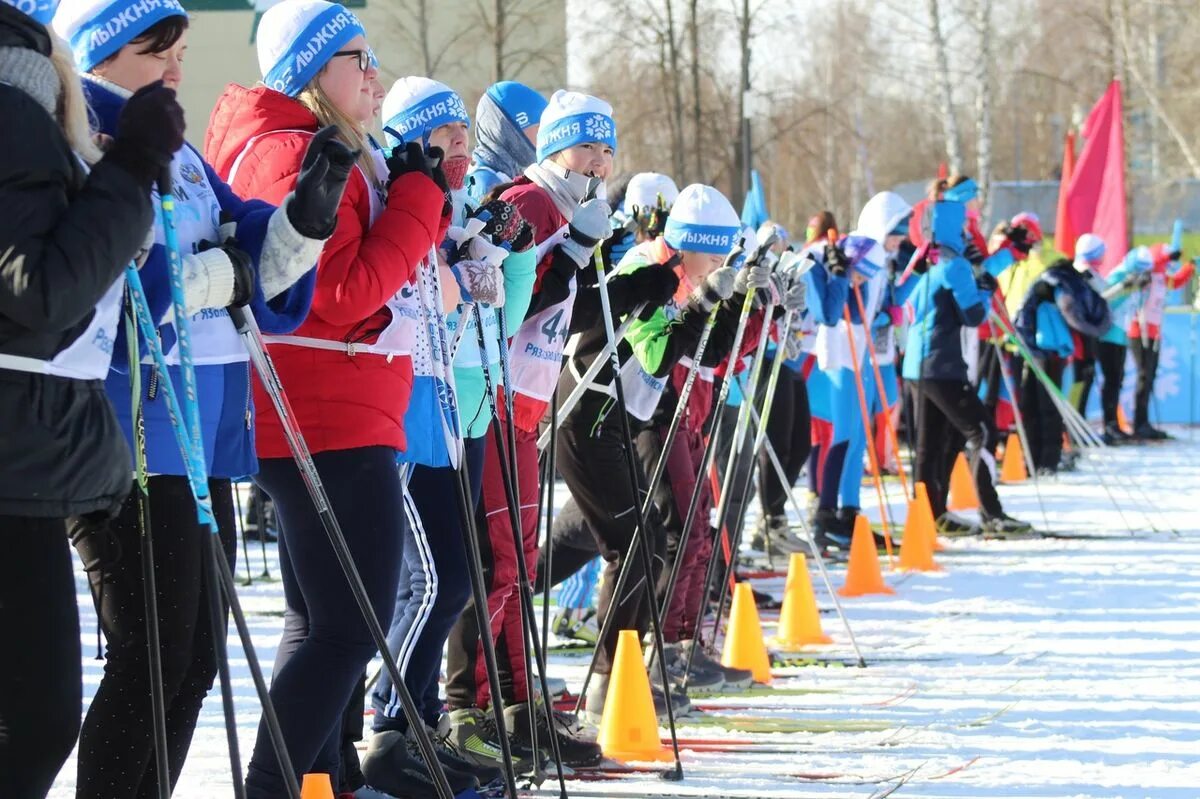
[(40, 10), (416, 106), (573, 118)]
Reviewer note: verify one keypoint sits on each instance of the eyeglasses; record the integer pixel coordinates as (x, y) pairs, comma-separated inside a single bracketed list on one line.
[(364, 57)]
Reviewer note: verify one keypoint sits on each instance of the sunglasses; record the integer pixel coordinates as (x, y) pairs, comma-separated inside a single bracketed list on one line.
[(363, 56)]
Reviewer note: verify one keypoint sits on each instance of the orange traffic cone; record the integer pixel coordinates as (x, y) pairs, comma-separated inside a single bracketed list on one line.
[(962, 487), (1123, 420), (629, 726), (744, 644), (920, 534), (862, 573), (316, 786), (799, 620), (1012, 468)]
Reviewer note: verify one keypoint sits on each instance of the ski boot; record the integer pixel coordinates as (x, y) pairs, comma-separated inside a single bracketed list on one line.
[(1006, 527), (450, 758), (953, 526), (577, 625), (577, 747), (828, 532), (1146, 432), (846, 518), (393, 764), (773, 535), (1113, 435), (598, 692), (735, 679), (701, 681), (474, 738)]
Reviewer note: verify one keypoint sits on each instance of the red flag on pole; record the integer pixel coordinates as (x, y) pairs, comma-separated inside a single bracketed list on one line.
[(1096, 194), (1064, 235)]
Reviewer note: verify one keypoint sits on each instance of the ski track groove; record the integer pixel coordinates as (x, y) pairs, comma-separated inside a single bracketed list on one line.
[(1029, 669)]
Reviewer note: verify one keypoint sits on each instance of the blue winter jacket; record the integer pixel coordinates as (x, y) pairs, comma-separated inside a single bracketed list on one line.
[(944, 300), (223, 390)]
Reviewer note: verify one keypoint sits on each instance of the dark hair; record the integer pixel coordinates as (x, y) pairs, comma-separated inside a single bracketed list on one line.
[(821, 223), (162, 35)]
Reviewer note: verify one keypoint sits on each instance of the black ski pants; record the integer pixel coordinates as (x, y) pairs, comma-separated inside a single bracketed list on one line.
[(951, 419), (594, 466), (1145, 357), (41, 672), (1112, 368), (789, 431), (1043, 422), (116, 746)]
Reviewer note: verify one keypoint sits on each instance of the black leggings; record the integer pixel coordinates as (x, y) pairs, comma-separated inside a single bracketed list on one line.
[(1112, 367), (116, 747), (1146, 359), (596, 472), (789, 431), (951, 419), (41, 670), (1043, 421)]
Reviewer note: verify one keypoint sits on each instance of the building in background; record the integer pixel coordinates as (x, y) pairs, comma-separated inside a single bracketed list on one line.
[(460, 44)]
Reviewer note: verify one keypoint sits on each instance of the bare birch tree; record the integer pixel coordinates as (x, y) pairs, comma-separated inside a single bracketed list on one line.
[(942, 59)]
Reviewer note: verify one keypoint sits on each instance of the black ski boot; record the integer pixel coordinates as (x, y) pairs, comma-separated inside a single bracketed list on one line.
[(578, 748), (828, 532), (1146, 432), (393, 764), (846, 518), (1113, 435)]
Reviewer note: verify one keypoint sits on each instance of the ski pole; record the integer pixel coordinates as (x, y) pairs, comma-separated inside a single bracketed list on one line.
[(246, 326), (548, 481), (589, 375), (1019, 422), (194, 464), (744, 489), (237, 498), (656, 479), (884, 510), (641, 532), (882, 392), (773, 456), (506, 452), (731, 468), (158, 704)]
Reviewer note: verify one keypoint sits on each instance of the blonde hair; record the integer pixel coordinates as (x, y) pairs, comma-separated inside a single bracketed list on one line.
[(72, 107), (315, 99)]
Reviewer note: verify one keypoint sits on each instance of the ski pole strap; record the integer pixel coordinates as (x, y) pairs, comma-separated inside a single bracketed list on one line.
[(189, 448)]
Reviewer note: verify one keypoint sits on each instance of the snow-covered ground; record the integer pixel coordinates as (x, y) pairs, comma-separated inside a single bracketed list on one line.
[(1047, 668)]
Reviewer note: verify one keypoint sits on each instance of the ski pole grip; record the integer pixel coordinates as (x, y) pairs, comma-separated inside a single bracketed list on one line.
[(164, 181)]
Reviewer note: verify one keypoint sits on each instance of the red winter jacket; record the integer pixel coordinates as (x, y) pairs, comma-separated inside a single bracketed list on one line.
[(340, 401)]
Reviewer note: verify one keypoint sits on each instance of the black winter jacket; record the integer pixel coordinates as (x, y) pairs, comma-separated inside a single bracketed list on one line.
[(65, 238)]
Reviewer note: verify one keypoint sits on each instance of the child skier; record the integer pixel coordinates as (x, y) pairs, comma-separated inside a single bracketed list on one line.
[(264, 259), (506, 127)]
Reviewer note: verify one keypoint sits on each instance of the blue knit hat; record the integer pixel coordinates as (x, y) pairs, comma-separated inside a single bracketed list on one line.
[(573, 118), (40, 10), (298, 37), (522, 105), (98, 29), (415, 106), (702, 220)]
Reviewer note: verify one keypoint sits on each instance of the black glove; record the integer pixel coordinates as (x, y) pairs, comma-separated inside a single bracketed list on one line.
[(836, 261), (243, 270), (987, 282), (1144, 279), (504, 224), (654, 285), (323, 176), (149, 133), (410, 157), (1043, 291), (1018, 237), (972, 253), (1174, 255), (523, 239)]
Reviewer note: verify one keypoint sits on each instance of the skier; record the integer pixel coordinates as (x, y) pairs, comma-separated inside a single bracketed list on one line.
[(640, 217), (506, 126), (700, 233), (1145, 329), (261, 257), (948, 412), (347, 368), (73, 219), (1089, 255), (1059, 301), (434, 597), (576, 142), (816, 383), (864, 254)]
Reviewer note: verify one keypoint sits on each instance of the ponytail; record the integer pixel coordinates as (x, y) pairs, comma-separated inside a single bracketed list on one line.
[(72, 107)]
